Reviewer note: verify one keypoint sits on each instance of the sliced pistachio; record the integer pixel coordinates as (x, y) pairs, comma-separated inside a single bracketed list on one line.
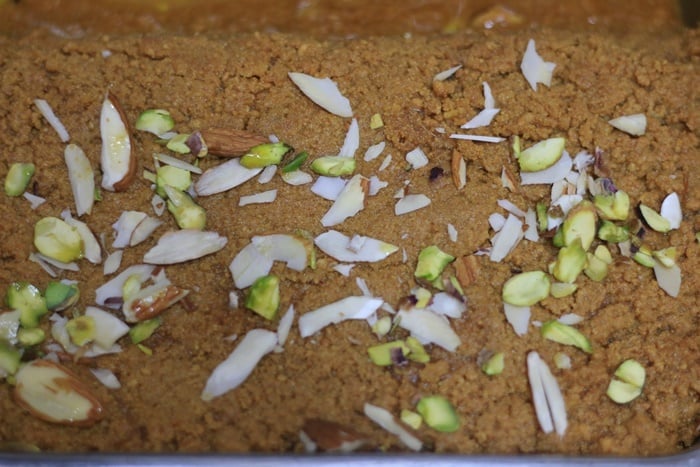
[(431, 262), (571, 260), (383, 354), (60, 296), (494, 365), (296, 162), (541, 155), (82, 330), (178, 178), (644, 256), (333, 166), (438, 413), (580, 223), (178, 144), (57, 240), (422, 296), (263, 155), (146, 350), (558, 239), (565, 334), (613, 233), (156, 121), (9, 359), (417, 352), (562, 289), (654, 219), (29, 337), (631, 376), (562, 361), (264, 296), (131, 286), (541, 212), (667, 256), (614, 206), (144, 330), (526, 288), (596, 269), (411, 418), (18, 178), (516, 146), (26, 298), (376, 122), (187, 213), (382, 327), (603, 253)]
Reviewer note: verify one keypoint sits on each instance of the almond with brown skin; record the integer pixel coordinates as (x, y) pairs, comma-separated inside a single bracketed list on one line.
[(51, 392), (333, 437), (459, 170), (117, 159), (467, 270), (229, 142)]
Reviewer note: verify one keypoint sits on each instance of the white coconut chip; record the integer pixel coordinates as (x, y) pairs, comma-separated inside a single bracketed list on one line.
[(285, 325), (110, 293), (336, 245), (224, 177), (175, 162), (671, 210), (349, 202), (410, 203), (555, 173), (506, 239), (328, 187), (255, 259), (353, 307), (108, 328), (144, 230), (374, 151), (125, 226), (429, 327), (343, 269), (352, 140), (452, 232), (184, 245), (570, 319), (478, 138), (518, 317), (106, 377), (417, 158), (297, 178), (385, 163), (511, 207), (267, 174), (34, 200), (489, 101), (546, 395), (324, 92), (82, 179), (384, 419), (635, 125), (448, 305), (91, 247), (534, 68), (375, 184), (443, 75), (53, 120), (497, 221), (233, 371), (258, 198), (669, 279), (567, 202), (481, 119), (112, 262)]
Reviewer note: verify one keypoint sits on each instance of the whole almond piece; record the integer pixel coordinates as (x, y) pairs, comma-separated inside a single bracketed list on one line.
[(229, 142), (331, 436), (467, 270), (459, 170), (117, 160), (52, 393)]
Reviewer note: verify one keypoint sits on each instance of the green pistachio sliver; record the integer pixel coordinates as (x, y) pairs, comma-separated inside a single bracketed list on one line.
[(264, 296), (629, 383), (667, 256), (558, 239), (565, 334), (516, 146), (644, 257), (187, 213), (431, 262), (417, 352), (156, 121), (438, 413), (381, 354), (422, 296), (562, 289), (613, 233), (494, 365), (614, 206), (9, 358), (603, 253), (27, 299), (382, 327), (58, 240), (18, 178), (131, 286), (526, 288), (571, 260), (376, 122), (60, 296), (82, 330), (178, 178), (654, 219), (144, 349), (178, 144), (29, 337), (541, 212), (296, 163), (411, 418), (541, 155), (580, 223), (263, 155), (144, 330), (333, 166), (596, 269), (697, 237)]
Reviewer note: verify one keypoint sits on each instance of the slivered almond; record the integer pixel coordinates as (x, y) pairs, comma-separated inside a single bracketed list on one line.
[(118, 160), (152, 301), (229, 142), (467, 270), (459, 170), (508, 180), (333, 437), (51, 392)]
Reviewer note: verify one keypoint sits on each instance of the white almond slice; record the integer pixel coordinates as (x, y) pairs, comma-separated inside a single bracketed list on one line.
[(671, 210), (324, 92), (452, 232), (328, 187), (125, 226), (448, 305), (158, 205), (364, 288), (9, 326), (285, 325), (539, 399), (534, 68), (34, 200), (144, 230), (281, 247), (297, 178), (506, 239), (347, 308), (258, 198), (248, 265), (374, 151), (267, 174), (48, 113), (417, 158), (567, 202), (531, 221), (108, 328), (110, 293), (668, 278), (375, 184), (552, 174), (224, 177), (352, 140), (518, 317), (82, 179), (429, 327), (478, 138), (343, 269), (233, 371), (410, 203), (175, 162), (555, 400), (112, 262), (385, 163), (34, 258), (497, 221), (570, 319), (582, 160), (483, 118), (511, 207), (335, 244), (91, 247), (184, 245), (489, 101), (350, 201), (356, 242), (635, 125), (151, 301), (443, 75), (106, 377), (384, 419), (72, 266), (117, 160)]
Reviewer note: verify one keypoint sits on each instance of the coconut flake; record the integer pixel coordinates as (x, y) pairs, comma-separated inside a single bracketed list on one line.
[(531, 221), (534, 68), (175, 162), (443, 75), (511, 208), (112, 262), (233, 371), (634, 125), (410, 203), (349, 202), (452, 232), (506, 239), (34, 200), (224, 177), (478, 138), (481, 119), (429, 327), (671, 210), (82, 179), (352, 140), (669, 279), (53, 120), (384, 419), (106, 377), (258, 198), (417, 158), (324, 92), (328, 187), (547, 398), (335, 244), (552, 174), (374, 151), (184, 245), (125, 226), (518, 317), (347, 308)]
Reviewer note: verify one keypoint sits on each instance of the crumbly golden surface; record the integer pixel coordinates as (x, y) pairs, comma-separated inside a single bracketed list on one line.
[(241, 82)]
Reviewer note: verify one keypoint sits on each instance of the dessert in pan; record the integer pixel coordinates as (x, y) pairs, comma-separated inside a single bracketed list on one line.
[(479, 238)]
